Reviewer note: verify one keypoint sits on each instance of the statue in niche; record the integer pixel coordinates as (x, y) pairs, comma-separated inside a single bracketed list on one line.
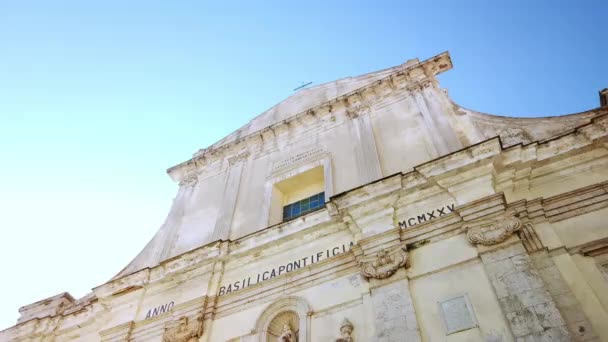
[(184, 332), (286, 334), (346, 331)]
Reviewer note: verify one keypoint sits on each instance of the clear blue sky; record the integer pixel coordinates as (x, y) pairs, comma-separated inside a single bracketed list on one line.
[(98, 98)]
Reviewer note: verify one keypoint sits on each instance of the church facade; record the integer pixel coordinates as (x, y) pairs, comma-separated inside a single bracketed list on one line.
[(372, 208)]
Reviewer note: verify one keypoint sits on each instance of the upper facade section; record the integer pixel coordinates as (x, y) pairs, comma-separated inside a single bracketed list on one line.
[(290, 160)]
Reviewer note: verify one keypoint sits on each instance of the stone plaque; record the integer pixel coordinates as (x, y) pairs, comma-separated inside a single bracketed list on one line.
[(457, 314)]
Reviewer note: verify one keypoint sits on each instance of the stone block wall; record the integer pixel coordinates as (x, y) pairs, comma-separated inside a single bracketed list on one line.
[(525, 300), (578, 325)]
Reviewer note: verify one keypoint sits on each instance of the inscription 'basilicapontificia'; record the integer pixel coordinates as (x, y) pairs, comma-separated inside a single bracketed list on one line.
[(286, 268), (427, 216)]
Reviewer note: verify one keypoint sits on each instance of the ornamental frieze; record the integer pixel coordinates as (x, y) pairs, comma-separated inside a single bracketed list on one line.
[(495, 232), (385, 265)]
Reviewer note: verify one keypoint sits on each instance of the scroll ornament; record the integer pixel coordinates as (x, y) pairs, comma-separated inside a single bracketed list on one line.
[(385, 265), (189, 179), (346, 331), (184, 331), (494, 233)]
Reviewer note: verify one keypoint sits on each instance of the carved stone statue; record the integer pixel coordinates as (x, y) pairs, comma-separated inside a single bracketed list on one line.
[(346, 330), (184, 332), (286, 334)]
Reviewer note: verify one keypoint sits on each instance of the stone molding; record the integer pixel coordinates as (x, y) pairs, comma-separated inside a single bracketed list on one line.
[(530, 239), (419, 73), (189, 180), (552, 209), (386, 263), (239, 157), (494, 233), (591, 249)]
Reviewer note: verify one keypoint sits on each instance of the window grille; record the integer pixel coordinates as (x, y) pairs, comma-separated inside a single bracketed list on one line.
[(303, 207)]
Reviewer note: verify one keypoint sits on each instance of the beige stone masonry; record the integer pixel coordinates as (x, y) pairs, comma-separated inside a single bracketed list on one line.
[(523, 296), (481, 182), (394, 313), (578, 325)]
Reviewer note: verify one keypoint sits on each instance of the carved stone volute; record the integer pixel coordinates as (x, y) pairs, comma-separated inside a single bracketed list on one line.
[(385, 264), (237, 158), (495, 232), (190, 179), (185, 331)]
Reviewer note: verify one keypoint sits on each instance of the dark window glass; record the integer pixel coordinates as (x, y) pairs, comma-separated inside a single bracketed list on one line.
[(295, 209), (304, 206)]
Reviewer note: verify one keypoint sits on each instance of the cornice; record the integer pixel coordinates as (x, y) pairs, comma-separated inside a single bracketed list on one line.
[(417, 75), (384, 192)]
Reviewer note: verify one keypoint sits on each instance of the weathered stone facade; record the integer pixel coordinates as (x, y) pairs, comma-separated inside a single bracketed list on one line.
[(415, 220)]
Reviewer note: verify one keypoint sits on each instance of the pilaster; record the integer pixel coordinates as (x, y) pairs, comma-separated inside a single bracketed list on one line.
[(440, 144), (366, 153), (439, 117), (231, 190), (578, 325), (394, 313), (523, 296), (383, 260), (210, 303)]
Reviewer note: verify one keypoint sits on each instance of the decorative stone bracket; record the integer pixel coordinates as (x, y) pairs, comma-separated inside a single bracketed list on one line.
[(386, 263), (184, 331), (495, 232)]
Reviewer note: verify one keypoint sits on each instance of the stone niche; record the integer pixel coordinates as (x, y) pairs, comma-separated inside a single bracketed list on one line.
[(286, 320), (284, 327)]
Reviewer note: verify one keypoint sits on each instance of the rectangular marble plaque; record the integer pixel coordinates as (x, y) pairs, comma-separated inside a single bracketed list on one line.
[(457, 314)]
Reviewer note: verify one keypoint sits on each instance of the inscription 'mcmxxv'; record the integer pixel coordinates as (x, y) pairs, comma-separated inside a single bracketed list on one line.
[(427, 216)]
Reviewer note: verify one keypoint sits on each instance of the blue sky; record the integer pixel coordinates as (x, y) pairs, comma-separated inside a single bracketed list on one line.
[(98, 98)]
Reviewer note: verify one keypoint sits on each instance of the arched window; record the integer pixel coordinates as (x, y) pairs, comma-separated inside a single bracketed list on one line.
[(288, 318)]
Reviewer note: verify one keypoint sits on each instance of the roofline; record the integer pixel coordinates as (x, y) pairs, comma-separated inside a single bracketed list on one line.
[(404, 67)]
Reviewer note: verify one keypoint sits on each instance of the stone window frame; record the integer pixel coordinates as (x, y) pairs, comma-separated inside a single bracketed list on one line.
[(318, 157), (467, 301)]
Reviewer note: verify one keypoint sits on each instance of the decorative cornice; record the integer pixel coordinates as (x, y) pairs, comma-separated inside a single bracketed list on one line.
[(190, 179), (239, 157), (400, 78)]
